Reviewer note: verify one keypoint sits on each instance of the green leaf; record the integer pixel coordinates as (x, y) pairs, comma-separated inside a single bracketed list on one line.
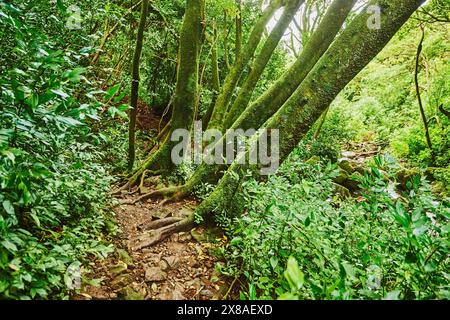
[(69, 121), (8, 207), (60, 93), (9, 245), (36, 219), (112, 91), (236, 241), (273, 262), (288, 296), (61, 6), (33, 101), (294, 275)]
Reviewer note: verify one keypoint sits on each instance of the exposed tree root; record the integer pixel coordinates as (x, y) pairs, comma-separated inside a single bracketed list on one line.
[(153, 237), (133, 181), (156, 224), (161, 193)]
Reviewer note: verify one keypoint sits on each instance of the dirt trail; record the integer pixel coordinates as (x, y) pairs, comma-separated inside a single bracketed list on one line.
[(181, 267)]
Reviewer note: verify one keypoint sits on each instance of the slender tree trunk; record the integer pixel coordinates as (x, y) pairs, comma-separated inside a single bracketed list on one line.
[(348, 55), (419, 98), (238, 47), (215, 79), (322, 121), (233, 76), (245, 93), (225, 41), (135, 86)]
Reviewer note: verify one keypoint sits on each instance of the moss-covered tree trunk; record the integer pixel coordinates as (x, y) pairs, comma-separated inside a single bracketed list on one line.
[(238, 67), (238, 46), (348, 55), (258, 66), (263, 108), (186, 89), (135, 86)]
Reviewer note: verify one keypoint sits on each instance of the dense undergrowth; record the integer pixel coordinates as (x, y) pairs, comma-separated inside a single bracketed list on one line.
[(53, 175)]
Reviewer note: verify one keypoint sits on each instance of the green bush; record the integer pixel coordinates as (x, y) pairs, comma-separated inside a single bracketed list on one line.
[(53, 185), (382, 245)]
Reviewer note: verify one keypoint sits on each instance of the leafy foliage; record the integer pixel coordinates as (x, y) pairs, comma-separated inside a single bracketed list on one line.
[(53, 184), (381, 246)]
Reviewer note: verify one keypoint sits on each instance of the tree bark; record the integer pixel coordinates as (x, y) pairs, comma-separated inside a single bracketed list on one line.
[(135, 87), (238, 47), (263, 108), (185, 91)]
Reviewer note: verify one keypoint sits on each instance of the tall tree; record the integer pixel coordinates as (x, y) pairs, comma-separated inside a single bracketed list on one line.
[(186, 88), (135, 86)]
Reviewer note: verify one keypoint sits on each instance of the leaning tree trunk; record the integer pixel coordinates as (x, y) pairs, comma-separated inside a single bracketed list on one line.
[(263, 108), (258, 66), (135, 87), (185, 91), (347, 56), (238, 67)]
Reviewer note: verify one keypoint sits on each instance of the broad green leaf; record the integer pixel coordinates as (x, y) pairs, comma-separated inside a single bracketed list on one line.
[(274, 262), (112, 91)]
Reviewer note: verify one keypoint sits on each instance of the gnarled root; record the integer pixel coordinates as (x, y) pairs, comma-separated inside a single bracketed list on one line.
[(153, 237), (156, 224), (171, 194)]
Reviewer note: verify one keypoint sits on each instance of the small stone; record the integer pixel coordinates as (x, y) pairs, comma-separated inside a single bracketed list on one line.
[(194, 284), (163, 265), (184, 237), (154, 287), (151, 258), (172, 261), (155, 274), (207, 293)]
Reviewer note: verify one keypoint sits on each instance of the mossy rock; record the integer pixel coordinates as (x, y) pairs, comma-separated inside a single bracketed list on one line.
[(404, 175), (118, 268), (347, 166), (342, 177), (124, 256), (313, 160), (122, 280), (128, 293), (342, 191)]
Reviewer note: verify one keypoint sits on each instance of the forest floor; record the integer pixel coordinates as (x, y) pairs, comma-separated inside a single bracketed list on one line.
[(183, 266), (178, 268)]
